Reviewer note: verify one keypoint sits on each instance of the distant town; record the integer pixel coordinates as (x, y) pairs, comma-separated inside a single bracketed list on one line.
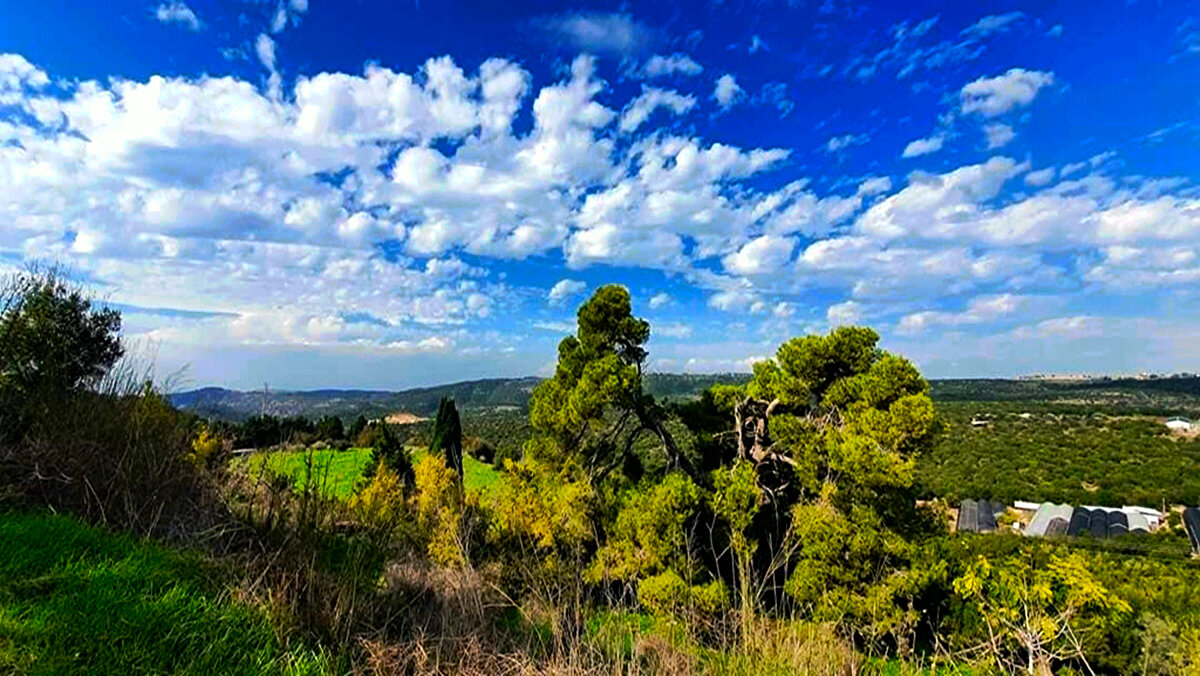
[(1092, 377)]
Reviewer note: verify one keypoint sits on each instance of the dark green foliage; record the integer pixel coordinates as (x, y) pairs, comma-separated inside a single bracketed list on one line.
[(54, 344), (713, 446), (447, 436), (329, 428), (1145, 396), (595, 408), (52, 339), (479, 449), (356, 428), (388, 449), (1078, 458)]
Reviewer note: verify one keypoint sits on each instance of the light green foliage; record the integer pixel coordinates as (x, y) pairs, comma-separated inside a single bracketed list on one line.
[(667, 594), (651, 532), (541, 526), (1034, 613), (205, 447), (440, 504), (380, 504), (736, 499), (547, 510)]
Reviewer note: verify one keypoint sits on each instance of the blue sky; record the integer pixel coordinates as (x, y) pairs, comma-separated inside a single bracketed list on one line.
[(388, 194)]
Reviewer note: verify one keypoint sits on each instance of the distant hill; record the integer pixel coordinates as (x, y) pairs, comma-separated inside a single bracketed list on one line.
[(492, 393), (1156, 396)]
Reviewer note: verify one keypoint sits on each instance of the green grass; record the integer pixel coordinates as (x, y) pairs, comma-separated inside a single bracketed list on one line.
[(334, 471), (339, 471), (75, 599)]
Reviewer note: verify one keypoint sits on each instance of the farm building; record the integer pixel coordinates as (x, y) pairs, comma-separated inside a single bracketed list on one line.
[(1179, 424), (977, 516), (1191, 523), (1048, 519)]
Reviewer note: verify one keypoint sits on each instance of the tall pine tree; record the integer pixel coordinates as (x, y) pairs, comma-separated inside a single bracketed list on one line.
[(447, 436)]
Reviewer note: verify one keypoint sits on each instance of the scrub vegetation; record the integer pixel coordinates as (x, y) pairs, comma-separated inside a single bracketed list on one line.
[(774, 524)]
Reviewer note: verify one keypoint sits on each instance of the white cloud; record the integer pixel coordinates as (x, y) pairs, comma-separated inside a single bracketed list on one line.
[(176, 11), (980, 310), (597, 32), (998, 135), (16, 72), (990, 97), (199, 194), (639, 110), (763, 255), (264, 48), (839, 143), (673, 64), (659, 300), (923, 146), (674, 330), (727, 92), (1040, 177), (993, 23), (565, 289), (1080, 326), (286, 11), (846, 313)]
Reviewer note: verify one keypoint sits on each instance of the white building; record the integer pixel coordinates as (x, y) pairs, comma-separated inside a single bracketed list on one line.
[(1180, 424)]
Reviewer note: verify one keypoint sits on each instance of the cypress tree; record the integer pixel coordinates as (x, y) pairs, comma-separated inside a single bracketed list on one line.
[(447, 436)]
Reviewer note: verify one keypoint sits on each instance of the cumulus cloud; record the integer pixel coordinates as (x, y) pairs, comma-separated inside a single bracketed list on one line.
[(373, 190), (17, 72), (727, 92), (762, 255), (565, 289), (178, 12), (673, 64), (995, 96), (923, 146)]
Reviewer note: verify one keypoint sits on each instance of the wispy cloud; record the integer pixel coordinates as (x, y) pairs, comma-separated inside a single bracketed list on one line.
[(601, 33), (178, 12)]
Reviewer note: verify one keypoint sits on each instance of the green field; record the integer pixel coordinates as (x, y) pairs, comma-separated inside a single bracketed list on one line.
[(75, 599), (338, 472)]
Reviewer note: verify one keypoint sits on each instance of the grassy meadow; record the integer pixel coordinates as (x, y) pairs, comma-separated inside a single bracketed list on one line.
[(76, 599), (337, 473)]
